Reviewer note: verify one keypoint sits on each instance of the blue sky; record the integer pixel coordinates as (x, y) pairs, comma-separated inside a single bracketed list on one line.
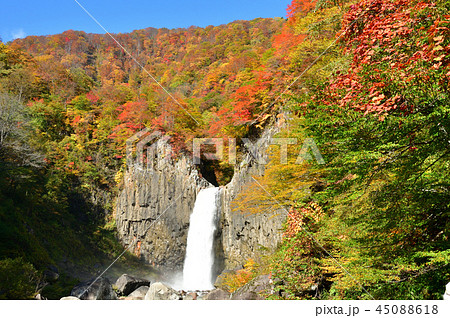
[(20, 18)]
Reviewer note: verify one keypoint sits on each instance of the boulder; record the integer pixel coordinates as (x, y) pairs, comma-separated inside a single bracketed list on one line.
[(101, 289), (138, 294), (254, 289), (70, 298), (51, 274), (217, 294), (159, 291), (126, 284), (191, 296)]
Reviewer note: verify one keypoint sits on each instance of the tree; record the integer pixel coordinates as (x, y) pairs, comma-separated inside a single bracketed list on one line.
[(18, 279), (14, 132)]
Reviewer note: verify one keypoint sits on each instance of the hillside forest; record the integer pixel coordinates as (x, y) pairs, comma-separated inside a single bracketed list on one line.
[(367, 80)]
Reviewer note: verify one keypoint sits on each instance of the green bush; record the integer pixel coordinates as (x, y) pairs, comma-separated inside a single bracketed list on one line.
[(18, 279)]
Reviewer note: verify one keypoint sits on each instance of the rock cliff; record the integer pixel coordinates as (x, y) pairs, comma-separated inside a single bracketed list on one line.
[(155, 204), (247, 236)]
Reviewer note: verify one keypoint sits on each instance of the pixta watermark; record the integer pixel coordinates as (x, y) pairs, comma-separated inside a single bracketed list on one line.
[(147, 150), (254, 148)]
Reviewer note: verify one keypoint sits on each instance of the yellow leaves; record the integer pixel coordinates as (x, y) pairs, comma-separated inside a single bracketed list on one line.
[(439, 38), (233, 281), (265, 116), (263, 119), (250, 264), (317, 17), (79, 147), (43, 58), (438, 48), (377, 99)]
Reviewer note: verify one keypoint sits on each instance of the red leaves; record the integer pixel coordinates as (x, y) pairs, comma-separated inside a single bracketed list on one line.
[(299, 218), (285, 41), (92, 98), (246, 100), (76, 120), (388, 47), (134, 114), (288, 38)]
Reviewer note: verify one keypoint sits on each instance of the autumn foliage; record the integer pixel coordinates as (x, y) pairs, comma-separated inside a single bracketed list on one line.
[(387, 41), (368, 80)]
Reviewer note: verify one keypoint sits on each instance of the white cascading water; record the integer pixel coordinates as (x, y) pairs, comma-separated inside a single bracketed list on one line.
[(199, 261)]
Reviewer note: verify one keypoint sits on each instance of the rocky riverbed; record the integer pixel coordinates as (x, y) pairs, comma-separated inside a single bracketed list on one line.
[(128, 287)]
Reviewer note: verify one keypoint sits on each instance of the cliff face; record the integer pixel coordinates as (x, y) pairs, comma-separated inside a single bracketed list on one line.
[(244, 235), (155, 204)]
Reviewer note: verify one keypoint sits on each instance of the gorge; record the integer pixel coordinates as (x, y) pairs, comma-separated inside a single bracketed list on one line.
[(174, 186), (367, 82)]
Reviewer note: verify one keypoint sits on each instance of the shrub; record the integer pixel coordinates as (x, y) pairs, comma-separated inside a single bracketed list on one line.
[(18, 279)]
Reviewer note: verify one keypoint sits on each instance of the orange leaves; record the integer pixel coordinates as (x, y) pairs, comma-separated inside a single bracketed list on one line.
[(286, 40), (76, 120), (245, 101), (298, 7), (133, 116), (289, 38), (135, 113)]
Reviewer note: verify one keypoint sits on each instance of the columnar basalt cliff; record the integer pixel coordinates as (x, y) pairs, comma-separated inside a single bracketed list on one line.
[(164, 196), (154, 206), (246, 235)]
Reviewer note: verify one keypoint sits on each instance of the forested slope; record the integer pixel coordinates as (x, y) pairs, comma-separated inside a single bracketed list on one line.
[(68, 103), (367, 80), (373, 221)]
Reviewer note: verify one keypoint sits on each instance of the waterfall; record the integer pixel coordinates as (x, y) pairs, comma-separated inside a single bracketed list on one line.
[(199, 261)]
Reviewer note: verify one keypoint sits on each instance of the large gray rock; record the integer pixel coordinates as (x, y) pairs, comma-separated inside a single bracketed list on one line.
[(70, 298), (51, 274), (101, 289), (126, 284), (159, 291), (217, 294), (138, 294), (254, 289)]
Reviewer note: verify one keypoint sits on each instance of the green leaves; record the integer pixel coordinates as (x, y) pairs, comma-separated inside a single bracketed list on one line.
[(18, 279), (382, 126)]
